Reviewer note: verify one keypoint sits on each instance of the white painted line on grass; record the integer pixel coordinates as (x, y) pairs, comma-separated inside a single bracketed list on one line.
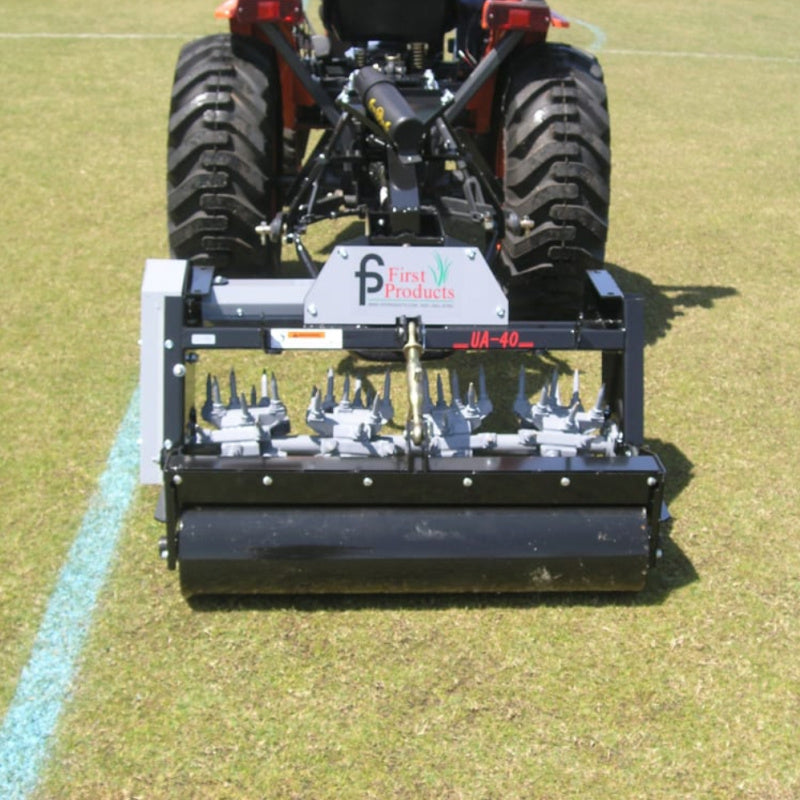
[(597, 44), (718, 56), (599, 41), (143, 36), (46, 680)]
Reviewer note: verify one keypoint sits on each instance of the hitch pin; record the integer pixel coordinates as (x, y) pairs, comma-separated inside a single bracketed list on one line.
[(412, 350), (263, 231)]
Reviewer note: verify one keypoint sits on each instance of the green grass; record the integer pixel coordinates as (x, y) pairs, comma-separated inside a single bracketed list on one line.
[(690, 689)]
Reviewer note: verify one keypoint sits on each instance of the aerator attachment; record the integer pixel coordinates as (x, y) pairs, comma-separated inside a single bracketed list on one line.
[(363, 502)]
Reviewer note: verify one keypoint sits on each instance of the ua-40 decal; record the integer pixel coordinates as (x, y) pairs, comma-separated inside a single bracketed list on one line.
[(489, 340)]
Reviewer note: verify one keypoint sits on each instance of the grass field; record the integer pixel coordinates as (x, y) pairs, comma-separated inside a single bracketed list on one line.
[(689, 689)]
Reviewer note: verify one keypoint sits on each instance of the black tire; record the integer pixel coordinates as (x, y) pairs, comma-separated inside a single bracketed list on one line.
[(224, 128), (556, 160)]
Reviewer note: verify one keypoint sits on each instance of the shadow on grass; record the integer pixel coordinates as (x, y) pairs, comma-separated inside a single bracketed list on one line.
[(664, 304)]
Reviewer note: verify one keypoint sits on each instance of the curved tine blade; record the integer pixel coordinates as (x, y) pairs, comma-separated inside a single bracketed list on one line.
[(386, 408), (576, 388), (234, 394), (315, 405), (484, 401), (358, 401), (427, 405), (601, 396), (246, 416), (573, 415), (346, 390), (273, 385), (440, 403), (472, 397), (376, 416), (455, 389), (329, 401), (522, 408), (544, 395), (264, 401), (555, 396), (212, 398), (522, 389)]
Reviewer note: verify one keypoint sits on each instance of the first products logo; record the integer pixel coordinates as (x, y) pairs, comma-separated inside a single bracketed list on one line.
[(398, 283)]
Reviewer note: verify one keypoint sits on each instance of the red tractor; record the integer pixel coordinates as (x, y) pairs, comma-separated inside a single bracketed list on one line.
[(472, 157), (440, 118)]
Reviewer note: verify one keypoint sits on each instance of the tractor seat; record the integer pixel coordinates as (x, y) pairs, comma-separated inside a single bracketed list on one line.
[(391, 21)]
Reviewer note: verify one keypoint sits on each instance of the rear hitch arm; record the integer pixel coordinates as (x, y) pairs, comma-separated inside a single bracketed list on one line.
[(412, 351)]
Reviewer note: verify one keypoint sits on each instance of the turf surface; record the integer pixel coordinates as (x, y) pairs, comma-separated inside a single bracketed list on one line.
[(690, 689)]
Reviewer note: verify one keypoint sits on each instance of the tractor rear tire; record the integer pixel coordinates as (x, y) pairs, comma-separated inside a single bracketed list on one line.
[(224, 135), (555, 158)]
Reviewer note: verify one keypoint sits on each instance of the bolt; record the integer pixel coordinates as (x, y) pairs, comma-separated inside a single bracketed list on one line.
[(471, 253), (342, 252), (467, 482), (169, 344), (267, 480), (367, 482), (168, 444), (501, 312), (565, 481), (179, 371), (177, 480), (239, 312), (659, 553), (312, 310), (651, 481)]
